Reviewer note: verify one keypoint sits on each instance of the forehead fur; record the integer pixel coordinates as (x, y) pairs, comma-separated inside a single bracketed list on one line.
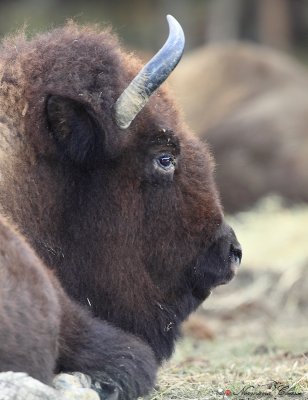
[(71, 61), (78, 53), (83, 63)]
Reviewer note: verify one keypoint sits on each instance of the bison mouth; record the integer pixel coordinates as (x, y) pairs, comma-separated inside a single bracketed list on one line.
[(216, 265)]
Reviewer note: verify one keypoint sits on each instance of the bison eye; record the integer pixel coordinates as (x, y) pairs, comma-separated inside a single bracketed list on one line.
[(166, 161)]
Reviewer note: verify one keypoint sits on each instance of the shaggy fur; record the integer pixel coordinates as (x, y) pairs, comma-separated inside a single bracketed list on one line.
[(43, 331), (139, 246)]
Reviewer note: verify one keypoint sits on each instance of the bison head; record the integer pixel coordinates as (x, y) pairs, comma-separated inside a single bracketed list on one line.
[(119, 201)]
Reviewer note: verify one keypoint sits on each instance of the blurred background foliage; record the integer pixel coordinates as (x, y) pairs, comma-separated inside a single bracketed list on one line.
[(249, 100), (140, 23)]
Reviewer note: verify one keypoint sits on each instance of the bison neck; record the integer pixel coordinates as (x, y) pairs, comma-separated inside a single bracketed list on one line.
[(132, 303), (158, 323)]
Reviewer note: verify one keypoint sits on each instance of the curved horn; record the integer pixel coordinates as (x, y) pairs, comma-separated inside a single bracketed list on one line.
[(152, 75)]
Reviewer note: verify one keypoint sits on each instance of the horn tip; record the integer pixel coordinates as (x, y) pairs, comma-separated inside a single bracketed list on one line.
[(171, 19), (176, 26)]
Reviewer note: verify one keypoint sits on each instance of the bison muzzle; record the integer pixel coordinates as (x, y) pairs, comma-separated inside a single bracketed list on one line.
[(111, 227)]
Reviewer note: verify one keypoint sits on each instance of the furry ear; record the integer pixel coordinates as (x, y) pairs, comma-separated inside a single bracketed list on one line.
[(75, 130)]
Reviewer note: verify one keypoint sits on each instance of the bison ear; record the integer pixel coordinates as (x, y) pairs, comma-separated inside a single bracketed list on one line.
[(75, 130)]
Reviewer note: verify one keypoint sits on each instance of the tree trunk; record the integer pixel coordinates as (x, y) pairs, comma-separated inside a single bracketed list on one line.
[(223, 20), (274, 23)]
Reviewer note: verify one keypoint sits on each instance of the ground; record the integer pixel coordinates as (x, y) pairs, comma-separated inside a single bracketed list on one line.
[(250, 339), (277, 365)]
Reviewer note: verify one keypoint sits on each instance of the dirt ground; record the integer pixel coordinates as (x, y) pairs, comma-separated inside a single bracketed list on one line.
[(249, 340)]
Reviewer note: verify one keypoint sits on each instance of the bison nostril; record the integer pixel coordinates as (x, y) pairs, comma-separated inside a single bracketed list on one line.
[(235, 254)]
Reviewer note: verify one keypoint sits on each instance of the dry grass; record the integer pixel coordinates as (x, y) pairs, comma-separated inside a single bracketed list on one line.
[(232, 364), (259, 321), (273, 236)]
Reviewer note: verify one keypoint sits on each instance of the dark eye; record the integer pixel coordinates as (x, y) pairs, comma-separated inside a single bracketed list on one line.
[(166, 161)]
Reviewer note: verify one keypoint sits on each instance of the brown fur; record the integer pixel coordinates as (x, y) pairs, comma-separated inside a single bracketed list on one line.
[(43, 331), (139, 246), (30, 310), (251, 104)]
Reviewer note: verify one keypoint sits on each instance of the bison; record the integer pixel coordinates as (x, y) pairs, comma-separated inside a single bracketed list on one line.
[(112, 231), (251, 104)]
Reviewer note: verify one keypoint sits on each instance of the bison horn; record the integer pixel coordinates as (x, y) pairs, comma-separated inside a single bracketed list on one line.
[(152, 75)]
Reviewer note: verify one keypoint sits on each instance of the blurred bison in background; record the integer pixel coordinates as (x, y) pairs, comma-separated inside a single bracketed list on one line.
[(118, 202), (251, 104)]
